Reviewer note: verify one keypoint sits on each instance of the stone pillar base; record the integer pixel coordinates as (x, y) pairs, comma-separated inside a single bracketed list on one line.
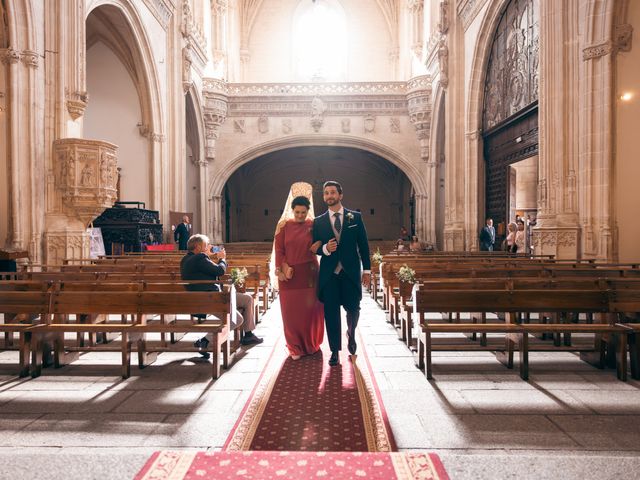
[(60, 245), (562, 242), (454, 239)]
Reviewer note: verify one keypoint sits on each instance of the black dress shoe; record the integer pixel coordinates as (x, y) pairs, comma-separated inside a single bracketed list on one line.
[(351, 345), (335, 359), (250, 339)]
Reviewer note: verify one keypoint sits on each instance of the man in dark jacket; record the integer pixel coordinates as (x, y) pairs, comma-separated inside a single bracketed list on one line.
[(345, 266), (487, 236), (197, 265), (182, 232)]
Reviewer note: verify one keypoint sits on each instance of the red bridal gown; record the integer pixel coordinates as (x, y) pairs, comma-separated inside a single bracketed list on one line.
[(302, 312)]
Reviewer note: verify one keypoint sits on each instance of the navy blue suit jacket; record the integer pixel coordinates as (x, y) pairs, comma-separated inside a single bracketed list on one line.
[(353, 248)]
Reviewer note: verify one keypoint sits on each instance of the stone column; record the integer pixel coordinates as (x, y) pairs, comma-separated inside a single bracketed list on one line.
[(422, 209), (416, 7), (217, 219), (219, 34), (558, 232), (419, 103), (604, 38), (203, 172), (15, 239), (215, 113), (457, 158)]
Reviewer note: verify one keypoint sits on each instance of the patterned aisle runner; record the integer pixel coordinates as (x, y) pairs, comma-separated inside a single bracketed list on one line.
[(308, 405), (305, 419), (293, 465)]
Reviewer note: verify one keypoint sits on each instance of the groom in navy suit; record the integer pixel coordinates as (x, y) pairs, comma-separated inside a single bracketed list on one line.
[(345, 253)]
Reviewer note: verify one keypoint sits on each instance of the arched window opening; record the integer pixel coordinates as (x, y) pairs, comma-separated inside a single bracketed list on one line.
[(320, 41)]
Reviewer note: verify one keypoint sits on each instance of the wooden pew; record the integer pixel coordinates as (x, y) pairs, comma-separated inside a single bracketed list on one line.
[(535, 301), (25, 305), (139, 304)]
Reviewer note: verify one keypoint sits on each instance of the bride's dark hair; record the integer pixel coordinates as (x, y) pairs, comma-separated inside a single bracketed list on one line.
[(300, 201)]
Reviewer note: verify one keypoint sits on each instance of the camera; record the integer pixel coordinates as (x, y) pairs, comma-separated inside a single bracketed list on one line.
[(215, 248)]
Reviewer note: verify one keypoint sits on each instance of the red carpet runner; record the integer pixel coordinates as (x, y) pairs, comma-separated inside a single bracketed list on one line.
[(292, 465), (307, 405), (305, 419)]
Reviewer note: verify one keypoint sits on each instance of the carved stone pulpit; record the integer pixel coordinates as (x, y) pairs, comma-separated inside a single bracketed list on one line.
[(85, 176)]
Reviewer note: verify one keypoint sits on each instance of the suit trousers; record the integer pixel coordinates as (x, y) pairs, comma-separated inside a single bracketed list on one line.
[(244, 314), (339, 291)]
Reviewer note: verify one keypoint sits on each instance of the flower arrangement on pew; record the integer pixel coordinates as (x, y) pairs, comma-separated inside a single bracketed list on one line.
[(238, 276), (407, 277), (376, 259)]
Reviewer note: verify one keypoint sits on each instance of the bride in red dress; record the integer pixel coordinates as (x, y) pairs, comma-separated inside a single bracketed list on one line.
[(297, 271)]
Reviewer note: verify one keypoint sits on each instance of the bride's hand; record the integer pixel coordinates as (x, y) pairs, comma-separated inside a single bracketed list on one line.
[(315, 246), (281, 277), (288, 273)]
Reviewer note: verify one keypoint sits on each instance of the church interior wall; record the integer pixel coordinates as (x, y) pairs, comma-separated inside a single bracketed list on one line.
[(271, 47), (627, 170), (113, 114)]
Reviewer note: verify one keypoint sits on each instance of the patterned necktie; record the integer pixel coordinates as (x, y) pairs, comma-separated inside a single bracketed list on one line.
[(337, 225)]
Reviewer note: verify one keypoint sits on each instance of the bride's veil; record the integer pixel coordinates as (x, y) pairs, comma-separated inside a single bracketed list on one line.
[(298, 189)]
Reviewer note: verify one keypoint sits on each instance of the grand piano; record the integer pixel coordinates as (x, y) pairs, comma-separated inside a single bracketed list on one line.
[(129, 229)]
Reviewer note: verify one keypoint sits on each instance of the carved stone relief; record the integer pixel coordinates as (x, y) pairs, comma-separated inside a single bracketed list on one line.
[(238, 126), (394, 124), (76, 103), (263, 124), (318, 107), (369, 124), (512, 72), (346, 125), (287, 126), (187, 82), (85, 176)]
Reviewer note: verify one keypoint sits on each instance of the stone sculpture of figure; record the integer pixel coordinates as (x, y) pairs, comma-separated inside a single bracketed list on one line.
[(86, 177), (104, 168), (317, 107)]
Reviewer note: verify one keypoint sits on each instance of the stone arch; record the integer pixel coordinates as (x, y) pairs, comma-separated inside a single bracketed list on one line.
[(480, 57), (130, 43), (479, 171), (386, 153), (396, 158)]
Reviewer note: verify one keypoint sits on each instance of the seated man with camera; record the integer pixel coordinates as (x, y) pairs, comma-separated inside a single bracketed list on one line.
[(197, 265)]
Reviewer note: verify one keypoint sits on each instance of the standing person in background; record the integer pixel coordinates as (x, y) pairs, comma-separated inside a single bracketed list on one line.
[(487, 236), (511, 238), (182, 233), (520, 240)]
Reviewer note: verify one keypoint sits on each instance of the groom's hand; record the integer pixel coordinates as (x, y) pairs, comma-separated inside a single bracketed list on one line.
[(366, 280), (332, 246), (315, 246)]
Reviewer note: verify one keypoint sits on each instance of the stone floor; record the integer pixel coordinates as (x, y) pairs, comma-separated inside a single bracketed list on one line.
[(83, 421)]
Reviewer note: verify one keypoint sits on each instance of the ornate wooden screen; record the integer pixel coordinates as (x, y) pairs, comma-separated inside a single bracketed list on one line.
[(510, 120)]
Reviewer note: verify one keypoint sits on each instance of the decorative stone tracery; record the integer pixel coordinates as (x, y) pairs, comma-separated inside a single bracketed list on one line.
[(420, 108), (85, 175)]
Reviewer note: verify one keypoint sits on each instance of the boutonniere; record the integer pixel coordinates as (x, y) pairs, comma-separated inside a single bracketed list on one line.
[(349, 216)]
